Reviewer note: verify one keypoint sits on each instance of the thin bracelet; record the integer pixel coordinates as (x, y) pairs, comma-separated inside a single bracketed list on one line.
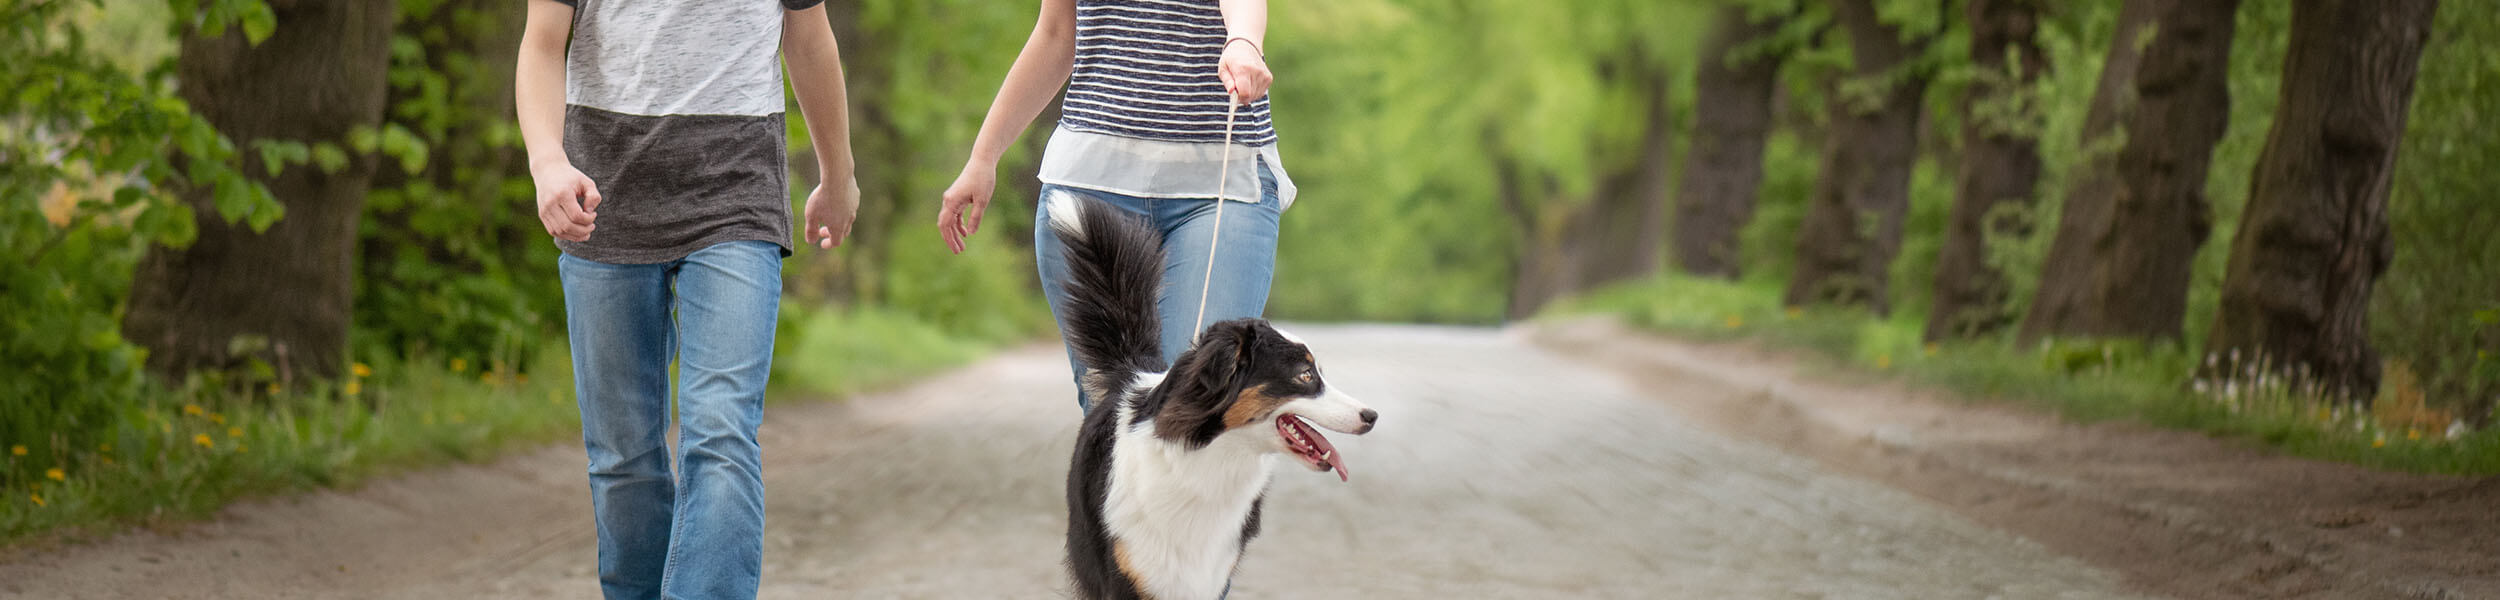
[(1254, 46)]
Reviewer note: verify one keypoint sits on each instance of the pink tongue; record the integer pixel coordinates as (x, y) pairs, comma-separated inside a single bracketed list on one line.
[(1335, 459)]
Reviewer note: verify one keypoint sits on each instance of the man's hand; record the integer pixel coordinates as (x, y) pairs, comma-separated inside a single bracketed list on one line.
[(959, 213), (568, 202), (830, 211), (1244, 72)]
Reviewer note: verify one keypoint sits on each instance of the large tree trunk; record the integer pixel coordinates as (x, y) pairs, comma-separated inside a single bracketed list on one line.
[(2062, 304), (2000, 165), (318, 77), (1723, 168), (2183, 101), (2314, 238), (1612, 236), (1852, 229)]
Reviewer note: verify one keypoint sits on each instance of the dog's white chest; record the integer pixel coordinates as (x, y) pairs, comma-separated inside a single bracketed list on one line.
[(1177, 514)]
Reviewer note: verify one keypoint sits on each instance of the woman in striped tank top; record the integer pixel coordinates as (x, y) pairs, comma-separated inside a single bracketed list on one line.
[(1143, 128)]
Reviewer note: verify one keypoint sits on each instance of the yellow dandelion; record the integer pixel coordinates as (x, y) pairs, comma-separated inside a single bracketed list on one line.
[(459, 365), (17, 451), (273, 389), (108, 461), (2379, 441), (55, 474), (523, 378), (203, 441), (38, 498), (2413, 434), (1735, 321), (1883, 361), (459, 418), (355, 387), (239, 449), (486, 378), (218, 418), (1794, 312), (234, 432), (165, 427), (192, 409), (1931, 349), (361, 370), (104, 447)]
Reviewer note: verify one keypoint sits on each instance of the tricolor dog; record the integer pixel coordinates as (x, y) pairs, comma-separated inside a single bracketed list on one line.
[(1171, 464)]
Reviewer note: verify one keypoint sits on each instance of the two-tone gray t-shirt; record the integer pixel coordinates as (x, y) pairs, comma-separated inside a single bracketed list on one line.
[(674, 108)]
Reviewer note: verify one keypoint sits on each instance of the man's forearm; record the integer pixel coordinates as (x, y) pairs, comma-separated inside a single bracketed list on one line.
[(816, 75), (538, 82)]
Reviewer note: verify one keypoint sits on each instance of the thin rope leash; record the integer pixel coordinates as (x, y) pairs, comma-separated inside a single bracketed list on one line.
[(1223, 175)]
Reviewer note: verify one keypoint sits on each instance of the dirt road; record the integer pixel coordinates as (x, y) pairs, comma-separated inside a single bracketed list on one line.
[(1500, 470)]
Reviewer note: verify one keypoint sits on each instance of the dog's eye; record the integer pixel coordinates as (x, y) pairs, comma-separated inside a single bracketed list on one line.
[(1306, 376)]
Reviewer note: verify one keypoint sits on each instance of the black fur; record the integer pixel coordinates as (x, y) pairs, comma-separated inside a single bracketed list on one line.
[(1115, 275)]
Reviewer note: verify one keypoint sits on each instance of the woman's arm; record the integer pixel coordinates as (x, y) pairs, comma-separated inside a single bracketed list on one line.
[(1244, 66), (815, 59), (567, 200), (1048, 56)]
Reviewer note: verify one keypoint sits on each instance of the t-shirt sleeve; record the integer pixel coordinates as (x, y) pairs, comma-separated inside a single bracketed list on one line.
[(800, 4)]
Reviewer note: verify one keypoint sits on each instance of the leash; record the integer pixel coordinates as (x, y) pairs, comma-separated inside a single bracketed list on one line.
[(1223, 175)]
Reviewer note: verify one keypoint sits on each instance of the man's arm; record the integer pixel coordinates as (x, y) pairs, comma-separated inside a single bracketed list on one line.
[(815, 59), (567, 200)]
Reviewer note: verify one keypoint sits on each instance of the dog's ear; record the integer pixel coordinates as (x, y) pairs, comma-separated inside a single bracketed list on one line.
[(1206, 381)]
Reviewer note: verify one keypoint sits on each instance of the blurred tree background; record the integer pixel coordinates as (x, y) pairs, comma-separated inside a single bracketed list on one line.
[(2001, 173)]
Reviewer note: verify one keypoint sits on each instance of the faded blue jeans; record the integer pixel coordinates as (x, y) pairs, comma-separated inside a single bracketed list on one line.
[(699, 534), (1245, 264)]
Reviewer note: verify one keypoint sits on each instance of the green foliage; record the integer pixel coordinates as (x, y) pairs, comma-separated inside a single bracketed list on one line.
[(2090, 381), (1398, 117), (92, 157), (453, 259), (2437, 307)]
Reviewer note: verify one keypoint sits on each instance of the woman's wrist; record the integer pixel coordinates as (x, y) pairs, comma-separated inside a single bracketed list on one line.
[(1254, 45)]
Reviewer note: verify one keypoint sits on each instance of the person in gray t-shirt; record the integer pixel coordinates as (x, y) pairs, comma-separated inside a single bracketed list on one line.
[(655, 138)]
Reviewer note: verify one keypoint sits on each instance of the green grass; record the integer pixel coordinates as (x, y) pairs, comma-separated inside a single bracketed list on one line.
[(2081, 380), (178, 454)]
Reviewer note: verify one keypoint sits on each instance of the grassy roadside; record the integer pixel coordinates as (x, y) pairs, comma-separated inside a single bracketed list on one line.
[(2088, 381), (181, 454)]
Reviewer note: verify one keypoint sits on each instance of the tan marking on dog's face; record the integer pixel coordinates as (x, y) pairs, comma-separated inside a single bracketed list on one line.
[(1250, 405)]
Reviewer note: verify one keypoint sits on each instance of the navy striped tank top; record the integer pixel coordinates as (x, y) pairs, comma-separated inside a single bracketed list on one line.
[(1146, 69)]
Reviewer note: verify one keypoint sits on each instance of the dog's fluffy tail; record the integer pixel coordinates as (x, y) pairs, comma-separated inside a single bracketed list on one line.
[(1115, 276)]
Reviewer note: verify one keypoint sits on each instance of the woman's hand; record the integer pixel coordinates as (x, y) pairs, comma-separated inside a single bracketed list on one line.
[(830, 211), (1244, 71), (959, 213), (568, 202)]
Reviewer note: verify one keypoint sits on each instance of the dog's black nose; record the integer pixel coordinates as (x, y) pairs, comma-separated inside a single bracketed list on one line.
[(1370, 416)]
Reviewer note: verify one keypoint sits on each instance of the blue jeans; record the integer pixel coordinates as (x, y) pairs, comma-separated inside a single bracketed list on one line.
[(699, 534), (1244, 265)]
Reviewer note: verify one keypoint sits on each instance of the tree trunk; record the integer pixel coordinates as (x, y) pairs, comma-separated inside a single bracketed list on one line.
[(2062, 304), (2314, 238), (1852, 229), (2183, 102), (2000, 166), (320, 75), (1723, 168), (1613, 236)]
